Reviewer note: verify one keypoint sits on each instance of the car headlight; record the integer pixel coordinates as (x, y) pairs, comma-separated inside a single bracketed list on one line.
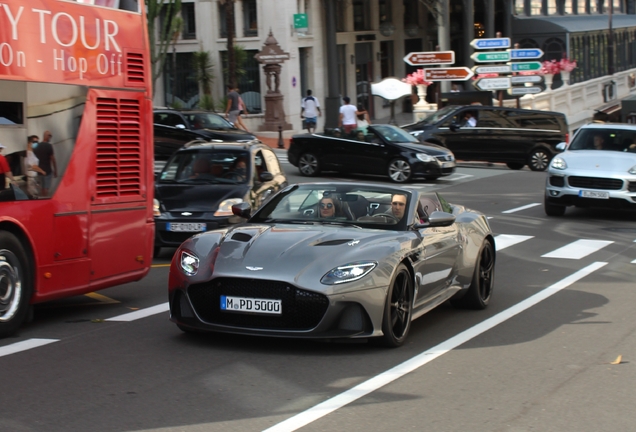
[(156, 207), (424, 157), (225, 208), (348, 273), (558, 163), (189, 263), (632, 170)]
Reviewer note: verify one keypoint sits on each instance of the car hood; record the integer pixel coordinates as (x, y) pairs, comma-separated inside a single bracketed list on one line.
[(601, 161), (197, 197), (226, 134), (428, 148), (300, 254)]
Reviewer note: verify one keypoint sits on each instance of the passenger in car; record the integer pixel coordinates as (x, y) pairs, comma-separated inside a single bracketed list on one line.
[(599, 142), (330, 207)]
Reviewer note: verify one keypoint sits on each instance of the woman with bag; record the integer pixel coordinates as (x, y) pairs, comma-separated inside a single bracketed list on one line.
[(362, 121)]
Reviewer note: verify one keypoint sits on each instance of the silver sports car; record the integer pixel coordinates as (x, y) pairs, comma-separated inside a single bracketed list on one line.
[(334, 260)]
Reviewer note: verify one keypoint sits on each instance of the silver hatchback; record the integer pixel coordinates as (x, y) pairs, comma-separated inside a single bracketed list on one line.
[(598, 169)]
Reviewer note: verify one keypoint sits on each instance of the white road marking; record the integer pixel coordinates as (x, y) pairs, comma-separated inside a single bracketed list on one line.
[(143, 313), (379, 381), (24, 345), (455, 177), (503, 241), (521, 208), (578, 249)]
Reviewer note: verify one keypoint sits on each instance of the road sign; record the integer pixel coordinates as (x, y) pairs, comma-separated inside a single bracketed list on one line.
[(430, 58), (492, 69), (525, 66), (491, 57), (526, 53), (501, 83), (490, 43), (517, 91), (522, 79), (448, 74)]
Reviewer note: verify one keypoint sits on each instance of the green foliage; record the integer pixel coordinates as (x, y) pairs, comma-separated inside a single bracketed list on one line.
[(204, 71), (240, 59), (162, 29), (206, 102), (221, 104), (176, 104)]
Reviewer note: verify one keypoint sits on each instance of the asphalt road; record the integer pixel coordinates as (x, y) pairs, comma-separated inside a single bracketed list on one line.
[(539, 358)]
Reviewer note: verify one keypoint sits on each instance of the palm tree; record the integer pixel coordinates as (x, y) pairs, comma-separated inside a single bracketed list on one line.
[(168, 9), (204, 73), (177, 26), (229, 24)]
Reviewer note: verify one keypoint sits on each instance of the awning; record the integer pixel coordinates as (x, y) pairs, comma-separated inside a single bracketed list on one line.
[(540, 25)]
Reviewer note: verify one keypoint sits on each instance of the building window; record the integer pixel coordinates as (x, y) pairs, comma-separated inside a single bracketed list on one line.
[(552, 7), (180, 84), (361, 15), (248, 80), (189, 21), (341, 17), (250, 20), (386, 59), (411, 15), (222, 22), (385, 11)]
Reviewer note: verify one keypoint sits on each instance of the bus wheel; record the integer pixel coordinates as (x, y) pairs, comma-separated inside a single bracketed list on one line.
[(15, 284)]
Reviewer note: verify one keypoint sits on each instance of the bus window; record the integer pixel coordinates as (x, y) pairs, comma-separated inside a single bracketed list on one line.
[(129, 5)]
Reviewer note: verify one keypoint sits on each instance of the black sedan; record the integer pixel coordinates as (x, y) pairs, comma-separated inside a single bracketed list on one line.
[(384, 150), (201, 182)]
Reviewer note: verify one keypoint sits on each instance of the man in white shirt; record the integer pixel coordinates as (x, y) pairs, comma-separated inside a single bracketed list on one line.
[(469, 120), (310, 109), (348, 115)]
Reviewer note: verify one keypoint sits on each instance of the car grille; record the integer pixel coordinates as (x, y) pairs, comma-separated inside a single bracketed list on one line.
[(557, 181), (445, 158), (302, 310), (631, 187), (595, 183)]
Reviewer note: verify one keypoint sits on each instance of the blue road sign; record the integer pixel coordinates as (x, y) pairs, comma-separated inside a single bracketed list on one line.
[(487, 43), (525, 53)]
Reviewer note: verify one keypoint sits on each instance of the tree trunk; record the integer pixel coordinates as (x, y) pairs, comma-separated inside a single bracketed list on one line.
[(174, 74), (231, 63)]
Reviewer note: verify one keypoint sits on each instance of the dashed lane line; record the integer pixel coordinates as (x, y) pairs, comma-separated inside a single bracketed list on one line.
[(142, 313), (503, 241), (578, 249), (379, 381)]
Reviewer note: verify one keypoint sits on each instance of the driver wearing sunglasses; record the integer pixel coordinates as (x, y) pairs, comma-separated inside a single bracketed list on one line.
[(327, 207)]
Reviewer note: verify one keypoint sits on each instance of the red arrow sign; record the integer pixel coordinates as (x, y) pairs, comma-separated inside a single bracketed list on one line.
[(448, 74), (430, 58)]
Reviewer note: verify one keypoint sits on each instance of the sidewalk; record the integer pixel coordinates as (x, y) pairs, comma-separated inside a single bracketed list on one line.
[(273, 142)]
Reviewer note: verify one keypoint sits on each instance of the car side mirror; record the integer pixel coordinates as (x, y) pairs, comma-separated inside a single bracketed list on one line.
[(454, 127), (437, 219), (266, 176), (561, 146), (243, 210), (180, 126)]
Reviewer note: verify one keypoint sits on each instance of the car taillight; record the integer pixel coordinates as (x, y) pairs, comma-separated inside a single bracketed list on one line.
[(291, 141), (567, 138)]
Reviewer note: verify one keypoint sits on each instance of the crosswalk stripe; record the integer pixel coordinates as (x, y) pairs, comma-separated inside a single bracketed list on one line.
[(578, 249), (143, 313), (25, 345), (503, 241), (521, 208)]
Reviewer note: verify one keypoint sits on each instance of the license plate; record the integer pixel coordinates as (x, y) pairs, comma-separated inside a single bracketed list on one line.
[(186, 227), (251, 305), (448, 164), (594, 194)]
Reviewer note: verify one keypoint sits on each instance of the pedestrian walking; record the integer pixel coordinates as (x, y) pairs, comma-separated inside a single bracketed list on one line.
[(348, 113), (5, 171), (44, 152), (232, 106), (310, 111), (242, 110), (362, 119)]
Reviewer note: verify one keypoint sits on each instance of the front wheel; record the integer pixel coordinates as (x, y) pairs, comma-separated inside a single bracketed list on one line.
[(539, 160), (15, 284), (480, 290), (400, 171), (398, 309), (553, 209), (309, 165)]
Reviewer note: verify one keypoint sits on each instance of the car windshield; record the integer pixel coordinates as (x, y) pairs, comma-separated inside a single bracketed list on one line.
[(208, 166), (437, 115), (395, 134), (605, 139), (357, 206), (207, 121)]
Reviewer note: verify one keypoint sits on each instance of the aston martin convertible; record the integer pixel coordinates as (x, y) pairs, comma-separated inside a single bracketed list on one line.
[(334, 260)]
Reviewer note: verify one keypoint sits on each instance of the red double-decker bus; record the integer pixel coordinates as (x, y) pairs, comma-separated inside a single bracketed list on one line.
[(79, 217)]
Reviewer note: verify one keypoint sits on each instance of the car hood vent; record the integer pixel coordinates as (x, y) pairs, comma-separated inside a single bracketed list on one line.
[(333, 242), (242, 237)]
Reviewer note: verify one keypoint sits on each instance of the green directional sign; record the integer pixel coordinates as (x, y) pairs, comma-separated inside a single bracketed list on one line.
[(491, 57), (525, 66), (300, 21)]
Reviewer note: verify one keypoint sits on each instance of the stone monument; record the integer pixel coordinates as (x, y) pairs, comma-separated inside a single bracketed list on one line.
[(271, 57)]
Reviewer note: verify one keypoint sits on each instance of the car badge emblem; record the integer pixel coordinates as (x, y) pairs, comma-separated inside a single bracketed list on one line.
[(186, 214), (353, 242), (254, 268)]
